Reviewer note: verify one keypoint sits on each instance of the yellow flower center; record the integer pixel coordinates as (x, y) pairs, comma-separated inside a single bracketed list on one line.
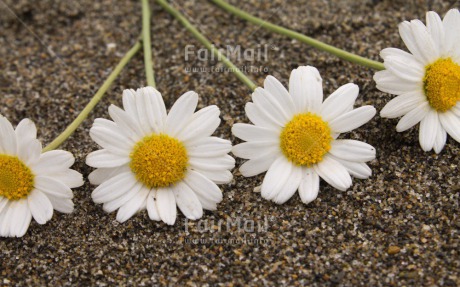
[(442, 84), (159, 160), (306, 139), (16, 179)]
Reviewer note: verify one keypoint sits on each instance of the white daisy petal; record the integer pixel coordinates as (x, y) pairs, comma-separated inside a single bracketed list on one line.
[(202, 124), (52, 162), (40, 206), (158, 104), (276, 177), (3, 203), (166, 205), (249, 132), (53, 187), (5, 220), (436, 29), (63, 205), (129, 102), (260, 118), (250, 150), (132, 206), (441, 138), (105, 159), (114, 129), (21, 217), (353, 119), (357, 169), (451, 24), (309, 185), (268, 104), (111, 206), (403, 104), (388, 82), (217, 176), (180, 113), (187, 201), (278, 91), (259, 164), (29, 148), (405, 30), (305, 87), (69, 177), (144, 112), (26, 130), (126, 122), (403, 68), (100, 175), (428, 130), (333, 173), (451, 123), (352, 150), (114, 187), (413, 117), (339, 102), (8, 140), (205, 189), (208, 147), (212, 163), (291, 186), (152, 207), (114, 142), (424, 41)]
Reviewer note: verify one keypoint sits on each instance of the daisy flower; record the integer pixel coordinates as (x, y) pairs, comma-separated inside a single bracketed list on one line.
[(294, 137), (426, 80), (32, 183), (153, 160)]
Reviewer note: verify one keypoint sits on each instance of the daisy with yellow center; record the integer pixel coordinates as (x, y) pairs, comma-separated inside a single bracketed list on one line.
[(153, 160), (426, 80), (32, 183), (294, 137)]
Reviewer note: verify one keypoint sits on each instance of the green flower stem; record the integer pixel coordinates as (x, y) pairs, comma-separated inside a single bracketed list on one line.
[(148, 60), (300, 37), (97, 97), (240, 75)]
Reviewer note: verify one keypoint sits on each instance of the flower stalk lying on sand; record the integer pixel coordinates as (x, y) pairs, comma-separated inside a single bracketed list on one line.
[(300, 37), (153, 160), (148, 61), (427, 80), (295, 133)]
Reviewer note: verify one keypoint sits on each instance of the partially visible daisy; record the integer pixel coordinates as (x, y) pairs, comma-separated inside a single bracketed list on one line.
[(294, 137), (155, 161), (427, 81), (32, 183)]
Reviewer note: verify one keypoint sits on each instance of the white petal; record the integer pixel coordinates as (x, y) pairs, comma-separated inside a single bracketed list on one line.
[(187, 201), (436, 29), (202, 124), (132, 206), (260, 164), (152, 207), (260, 118), (407, 35), (451, 123), (413, 117), (157, 108), (441, 138), (268, 105), (353, 119), (250, 150), (70, 177), (279, 92), (53, 187), (166, 205), (114, 142), (20, 216), (144, 111), (452, 33), (126, 122), (291, 186), (249, 132), (424, 41), (53, 162), (63, 205), (8, 141), (309, 186), (388, 82), (100, 175), (206, 190), (217, 176), (29, 148), (403, 104), (412, 71), (129, 102), (105, 159), (333, 173), (5, 220), (26, 130), (305, 87), (339, 102), (428, 130), (212, 163), (40, 206), (352, 150), (114, 187), (3, 203), (357, 169), (114, 130), (111, 206), (180, 113), (276, 177), (208, 147)]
